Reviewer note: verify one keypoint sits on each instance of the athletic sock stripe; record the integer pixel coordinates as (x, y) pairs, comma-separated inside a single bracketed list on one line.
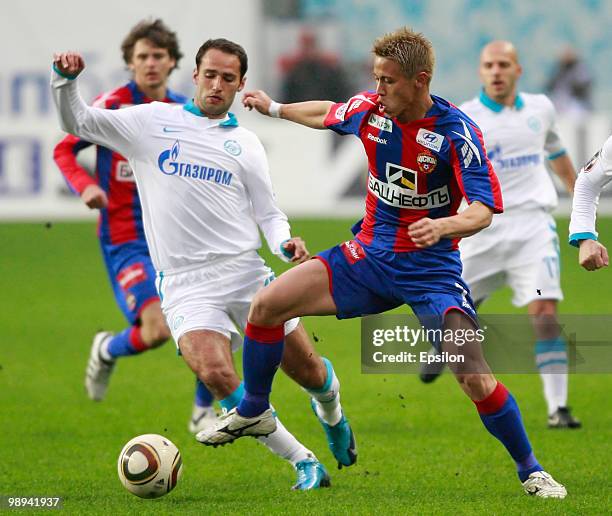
[(551, 362), (494, 401), (265, 335)]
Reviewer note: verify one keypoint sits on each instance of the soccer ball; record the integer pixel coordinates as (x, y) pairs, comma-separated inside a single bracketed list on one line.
[(150, 466)]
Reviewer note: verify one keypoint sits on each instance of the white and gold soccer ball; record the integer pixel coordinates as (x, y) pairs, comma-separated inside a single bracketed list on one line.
[(150, 466)]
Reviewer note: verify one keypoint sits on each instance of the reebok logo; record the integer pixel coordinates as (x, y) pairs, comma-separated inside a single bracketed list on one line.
[(376, 139)]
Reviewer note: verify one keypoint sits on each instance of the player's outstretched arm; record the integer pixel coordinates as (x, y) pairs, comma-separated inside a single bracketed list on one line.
[(311, 114), (592, 255), (116, 129), (427, 232)]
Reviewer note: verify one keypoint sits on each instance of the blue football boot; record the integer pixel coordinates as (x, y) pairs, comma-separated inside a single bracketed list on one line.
[(311, 474), (340, 439)]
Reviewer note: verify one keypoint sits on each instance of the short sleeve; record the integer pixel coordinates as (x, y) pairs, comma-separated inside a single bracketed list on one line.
[(346, 117), (472, 168)]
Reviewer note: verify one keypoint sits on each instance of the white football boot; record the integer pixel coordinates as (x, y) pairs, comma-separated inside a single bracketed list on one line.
[(543, 485), (97, 374), (232, 425), (202, 418)]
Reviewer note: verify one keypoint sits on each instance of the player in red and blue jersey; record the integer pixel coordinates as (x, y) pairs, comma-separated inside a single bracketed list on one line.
[(424, 157), (151, 52)]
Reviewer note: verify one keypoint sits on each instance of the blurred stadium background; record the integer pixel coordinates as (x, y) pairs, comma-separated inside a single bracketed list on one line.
[(54, 441), (327, 178)]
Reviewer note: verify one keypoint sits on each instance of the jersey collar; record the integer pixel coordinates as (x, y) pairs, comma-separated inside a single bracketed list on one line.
[(229, 121), (138, 97), (487, 101)]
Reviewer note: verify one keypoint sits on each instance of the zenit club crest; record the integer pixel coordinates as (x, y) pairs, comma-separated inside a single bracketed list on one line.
[(426, 162)]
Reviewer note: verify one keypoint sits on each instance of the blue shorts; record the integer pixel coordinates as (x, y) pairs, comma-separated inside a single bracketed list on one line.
[(132, 277), (365, 280)]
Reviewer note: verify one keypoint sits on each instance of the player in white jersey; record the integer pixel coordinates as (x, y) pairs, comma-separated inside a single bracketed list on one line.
[(205, 192), (521, 247), (593, 178)]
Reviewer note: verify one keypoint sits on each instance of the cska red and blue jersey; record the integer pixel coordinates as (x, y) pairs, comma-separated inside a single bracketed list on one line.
[(121, 221), (423, 168)]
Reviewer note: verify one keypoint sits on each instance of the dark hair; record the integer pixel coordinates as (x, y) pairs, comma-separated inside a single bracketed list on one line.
[(229, 47), (157, 33)]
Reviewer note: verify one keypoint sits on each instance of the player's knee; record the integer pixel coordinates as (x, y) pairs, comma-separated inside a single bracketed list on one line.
[(477, 386), (217, 375), (547, 308), (263, 310)]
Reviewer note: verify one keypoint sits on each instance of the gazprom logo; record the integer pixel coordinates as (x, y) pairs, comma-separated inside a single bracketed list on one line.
[(170, 165), (167, 160)]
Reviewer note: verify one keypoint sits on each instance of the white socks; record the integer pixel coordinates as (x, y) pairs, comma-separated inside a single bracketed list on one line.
[(555, 388), (551, 359), (327, 398), (281, 442)]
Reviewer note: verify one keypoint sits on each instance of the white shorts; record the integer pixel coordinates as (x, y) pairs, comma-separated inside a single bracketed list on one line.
[(520, 249), (216, 296)]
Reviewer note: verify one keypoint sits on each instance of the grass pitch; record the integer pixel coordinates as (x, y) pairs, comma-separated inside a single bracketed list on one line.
[(422, 449)]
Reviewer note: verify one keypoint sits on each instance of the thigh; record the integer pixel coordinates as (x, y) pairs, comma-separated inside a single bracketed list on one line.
[(213, 347), (208, 355), (132, 277), (302, 290), (241, 290)]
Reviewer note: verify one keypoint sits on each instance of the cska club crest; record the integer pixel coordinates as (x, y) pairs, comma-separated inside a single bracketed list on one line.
[(426, 161)]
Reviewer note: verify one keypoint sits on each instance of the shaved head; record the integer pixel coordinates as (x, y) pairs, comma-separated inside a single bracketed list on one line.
[(500, 71), (500, 47)]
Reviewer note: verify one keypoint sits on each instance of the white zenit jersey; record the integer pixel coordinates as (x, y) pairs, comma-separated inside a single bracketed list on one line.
[(203, 184), (593, 177), (517, 140)]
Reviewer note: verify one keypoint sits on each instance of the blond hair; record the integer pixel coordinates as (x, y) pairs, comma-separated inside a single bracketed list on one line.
[(411, 50)]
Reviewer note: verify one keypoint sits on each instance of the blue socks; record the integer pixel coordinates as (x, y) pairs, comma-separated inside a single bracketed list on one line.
[(203, 397), (128, 342), (502, 418), (261, 356)]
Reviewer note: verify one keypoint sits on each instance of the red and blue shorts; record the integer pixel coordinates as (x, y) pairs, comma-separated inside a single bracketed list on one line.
[(132, 277), (366, 280)]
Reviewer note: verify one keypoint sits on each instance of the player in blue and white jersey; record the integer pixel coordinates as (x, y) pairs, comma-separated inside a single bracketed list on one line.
[(593, 178), (521, 247), (205, 191), (424, 156), (151, 52)]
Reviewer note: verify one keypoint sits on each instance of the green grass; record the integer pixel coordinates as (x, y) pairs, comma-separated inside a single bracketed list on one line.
[(422, 449)]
